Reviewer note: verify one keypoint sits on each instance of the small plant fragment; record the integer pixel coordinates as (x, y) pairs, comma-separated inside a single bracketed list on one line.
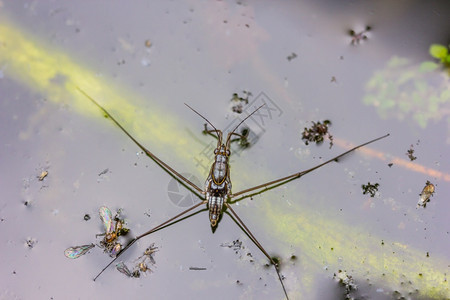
[(317, 132), (370, 189), (42, 175), (237, 102), (427, 192), (440, 52), (358, 37), (410, 153), (197, 269)]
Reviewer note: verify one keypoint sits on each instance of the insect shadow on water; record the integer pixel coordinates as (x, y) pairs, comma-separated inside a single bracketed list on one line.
[(217, 194)]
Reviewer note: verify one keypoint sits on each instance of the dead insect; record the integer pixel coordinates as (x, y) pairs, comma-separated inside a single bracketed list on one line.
[(358, 37), (317, 133), (109, 242), (370, 189), (112, 232), (427, 192)]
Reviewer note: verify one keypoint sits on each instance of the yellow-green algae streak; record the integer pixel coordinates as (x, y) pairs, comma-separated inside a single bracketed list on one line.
[(321, 241), (56, 75)]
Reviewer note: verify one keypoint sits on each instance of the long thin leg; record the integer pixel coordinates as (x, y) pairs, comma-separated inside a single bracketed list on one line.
[(300, 174), (252, 237), (154, 157), (147, 233)]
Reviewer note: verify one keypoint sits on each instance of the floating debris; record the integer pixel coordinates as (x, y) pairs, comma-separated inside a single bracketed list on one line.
[(291, 56), (30, 243), (358, 37), (122, 268), (347, 281), (86, 217), (75, 252), (103, 172), (237, 102), (148, 43), (243, 140), (143, 262), (370, 189), (197, 269), (317, 133), (427, 192), (42, 175), (410, 153), (235, 245)]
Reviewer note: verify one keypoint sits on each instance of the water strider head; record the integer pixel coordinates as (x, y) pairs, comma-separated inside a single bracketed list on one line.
[(223, 148)]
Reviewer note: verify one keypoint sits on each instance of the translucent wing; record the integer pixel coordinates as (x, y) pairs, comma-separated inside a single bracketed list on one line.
[(75, 252), (106, 217), (122, 268), (115, 250)]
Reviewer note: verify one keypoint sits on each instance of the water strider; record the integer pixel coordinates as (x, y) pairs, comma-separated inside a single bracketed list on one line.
[(217, 191)]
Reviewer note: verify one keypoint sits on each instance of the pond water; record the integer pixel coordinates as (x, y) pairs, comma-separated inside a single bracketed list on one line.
[(365, 66)]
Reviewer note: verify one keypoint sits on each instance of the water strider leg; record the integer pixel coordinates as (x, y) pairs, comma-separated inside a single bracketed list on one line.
[(147, 233), (254, 240), (300, 174), (152, 156)]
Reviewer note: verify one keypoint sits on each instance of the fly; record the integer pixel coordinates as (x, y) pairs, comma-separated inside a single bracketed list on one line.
[(112, 232), (109, 242), (217, 190)]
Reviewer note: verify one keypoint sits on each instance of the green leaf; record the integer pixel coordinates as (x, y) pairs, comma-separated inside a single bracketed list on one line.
[(428, 66), (438, 51)]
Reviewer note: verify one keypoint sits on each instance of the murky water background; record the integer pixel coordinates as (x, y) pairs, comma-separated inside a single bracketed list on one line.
[(297, 57)]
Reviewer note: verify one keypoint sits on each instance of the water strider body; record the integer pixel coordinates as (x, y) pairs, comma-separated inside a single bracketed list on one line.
[(217, 191)]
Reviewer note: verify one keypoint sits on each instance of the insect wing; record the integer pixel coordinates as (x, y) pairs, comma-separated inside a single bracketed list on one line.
[(122, 268), (106, 217), (75, 252), (115, 250)]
